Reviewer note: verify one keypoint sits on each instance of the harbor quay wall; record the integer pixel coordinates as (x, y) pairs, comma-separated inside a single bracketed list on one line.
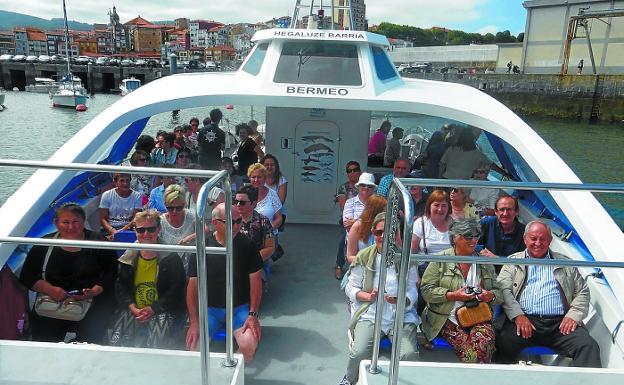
[(584, 97), (94, 78)]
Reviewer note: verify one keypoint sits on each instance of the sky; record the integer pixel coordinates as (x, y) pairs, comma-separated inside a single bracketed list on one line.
[(469, 15)]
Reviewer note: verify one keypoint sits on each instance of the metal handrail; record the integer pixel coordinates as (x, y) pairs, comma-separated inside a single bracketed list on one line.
[(617, 188), (514, 261), (229, 361), (106, 168)]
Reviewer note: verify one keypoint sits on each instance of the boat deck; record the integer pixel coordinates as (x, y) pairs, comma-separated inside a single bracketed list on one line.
[(304, 315)]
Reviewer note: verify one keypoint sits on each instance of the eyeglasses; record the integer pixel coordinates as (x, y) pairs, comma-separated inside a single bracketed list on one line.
[(378, 233), (141, 230), (367, 186), (175, 208), (234, 221), (471, 236), (352, 170), (239, 202)]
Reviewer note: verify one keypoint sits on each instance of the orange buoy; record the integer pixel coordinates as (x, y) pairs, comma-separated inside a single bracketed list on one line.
[(81, 108), (229, 107)]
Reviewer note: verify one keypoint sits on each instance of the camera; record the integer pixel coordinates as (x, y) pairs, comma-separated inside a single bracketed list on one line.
[(473, 290)]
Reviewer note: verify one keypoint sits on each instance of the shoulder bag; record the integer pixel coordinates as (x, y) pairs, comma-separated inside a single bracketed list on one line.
[(473, 312), (67, 309)]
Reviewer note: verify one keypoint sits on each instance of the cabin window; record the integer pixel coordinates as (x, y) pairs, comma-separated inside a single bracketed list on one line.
[(254, 63), (385, 70), (318, 62)]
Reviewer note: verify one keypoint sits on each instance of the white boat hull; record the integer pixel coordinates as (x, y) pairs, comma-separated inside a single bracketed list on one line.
[(62, 100)]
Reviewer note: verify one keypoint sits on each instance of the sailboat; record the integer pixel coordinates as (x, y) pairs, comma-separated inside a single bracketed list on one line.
[(70, 92)]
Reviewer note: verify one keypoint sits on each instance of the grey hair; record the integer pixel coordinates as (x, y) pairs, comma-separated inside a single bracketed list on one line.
[(528, 226), (381, 217), (461, 226)]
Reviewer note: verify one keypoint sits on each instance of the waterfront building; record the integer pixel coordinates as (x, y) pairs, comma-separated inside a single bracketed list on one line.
[(7, 43), (217, 36), (199, 31), (104, 41), (54, 39), (219, 53), (37, 42), (87, 46), (181, 23), (545, 35), (342, 19), (144, 36), (21, 41), (119, 33)]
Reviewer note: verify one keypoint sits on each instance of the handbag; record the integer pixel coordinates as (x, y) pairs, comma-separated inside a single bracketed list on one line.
[(473, 313), (67, 309)]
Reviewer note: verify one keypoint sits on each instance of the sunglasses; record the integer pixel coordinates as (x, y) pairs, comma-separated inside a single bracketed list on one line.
[(378, 233), (234, 221), (142, 230), (471, 236), (366, 186), (142, 159), (183, 156), (239, 202), (175, 208), (352, 170)]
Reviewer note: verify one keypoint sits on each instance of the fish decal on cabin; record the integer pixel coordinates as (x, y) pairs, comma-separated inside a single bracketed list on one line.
[(310, 159), (309, 168), (308, 179), (307, 173), (314, 138), (321, 154), (317, 147)]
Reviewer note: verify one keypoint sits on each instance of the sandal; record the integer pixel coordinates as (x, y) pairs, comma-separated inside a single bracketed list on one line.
[(338, 273)]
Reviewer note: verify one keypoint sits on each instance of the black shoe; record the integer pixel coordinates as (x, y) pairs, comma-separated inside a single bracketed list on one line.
[(344, 381)]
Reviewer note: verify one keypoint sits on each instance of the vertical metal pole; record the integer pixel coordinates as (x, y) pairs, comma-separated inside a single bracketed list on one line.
[(404, 264), (351, 18), (229, 277), (568, 45), (589, 47)]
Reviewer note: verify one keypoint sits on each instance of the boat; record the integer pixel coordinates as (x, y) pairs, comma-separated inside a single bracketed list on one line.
[(128, 85), (321, 90), (43, 86), (70, 92)]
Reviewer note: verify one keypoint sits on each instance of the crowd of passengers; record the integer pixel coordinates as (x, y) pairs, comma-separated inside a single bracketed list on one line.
[(145, 298), (536, 305)]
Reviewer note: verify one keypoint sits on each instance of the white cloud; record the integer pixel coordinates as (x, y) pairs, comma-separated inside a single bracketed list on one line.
[(422, 13), (488, 29)]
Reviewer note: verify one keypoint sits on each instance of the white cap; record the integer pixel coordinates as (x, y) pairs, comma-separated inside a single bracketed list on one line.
[(367, 179)]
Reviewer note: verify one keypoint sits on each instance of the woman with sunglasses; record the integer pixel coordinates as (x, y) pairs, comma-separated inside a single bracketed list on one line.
[(362, 292), (255, 225), (446, 286), (269, 203), (484, 199), (140, 183), (150, 289), (460, 207), (360, 235), (178, 223)]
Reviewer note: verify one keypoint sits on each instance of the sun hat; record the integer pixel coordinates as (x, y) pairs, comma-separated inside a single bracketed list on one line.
[(366, 179)]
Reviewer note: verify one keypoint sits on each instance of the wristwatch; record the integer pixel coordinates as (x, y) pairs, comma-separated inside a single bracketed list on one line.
[(253, 314)]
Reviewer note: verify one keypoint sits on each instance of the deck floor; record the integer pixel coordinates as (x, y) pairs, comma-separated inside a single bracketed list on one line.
[(304, 315)]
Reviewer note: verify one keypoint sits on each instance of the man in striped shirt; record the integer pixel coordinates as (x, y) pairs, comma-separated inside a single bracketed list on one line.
[(545, 305)]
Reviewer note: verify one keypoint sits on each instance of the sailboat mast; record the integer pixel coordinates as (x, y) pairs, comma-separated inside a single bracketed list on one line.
[(69, 74)]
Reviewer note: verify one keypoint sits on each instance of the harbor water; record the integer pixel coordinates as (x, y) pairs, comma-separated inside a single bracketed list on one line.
[(32, 129)]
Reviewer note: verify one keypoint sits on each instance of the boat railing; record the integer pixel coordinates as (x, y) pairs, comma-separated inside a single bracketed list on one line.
[(217, 178), (400, 221)]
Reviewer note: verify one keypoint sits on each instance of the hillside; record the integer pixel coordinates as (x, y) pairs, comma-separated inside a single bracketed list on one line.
[(9, 20)]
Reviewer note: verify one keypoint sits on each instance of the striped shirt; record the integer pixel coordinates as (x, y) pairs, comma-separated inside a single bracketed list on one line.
[(541, 295), (353, 208)]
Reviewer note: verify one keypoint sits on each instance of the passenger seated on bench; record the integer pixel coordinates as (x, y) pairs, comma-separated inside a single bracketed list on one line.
[(400, 169), (178, 223), (460, 207), (255, 225), (247, 287), (90, 272), (119, 205), (446, 286), (360, 235), (140, 183), (502, 235), (345, 192), (157, 195), (483, 198), (362, 292), (165, 153), (545, 305), (150, 292)]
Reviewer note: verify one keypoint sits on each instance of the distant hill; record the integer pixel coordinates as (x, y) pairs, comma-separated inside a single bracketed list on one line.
[(9, 20)]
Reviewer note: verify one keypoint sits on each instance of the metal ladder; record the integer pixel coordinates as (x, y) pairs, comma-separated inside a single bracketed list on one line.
[(335, 8)]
